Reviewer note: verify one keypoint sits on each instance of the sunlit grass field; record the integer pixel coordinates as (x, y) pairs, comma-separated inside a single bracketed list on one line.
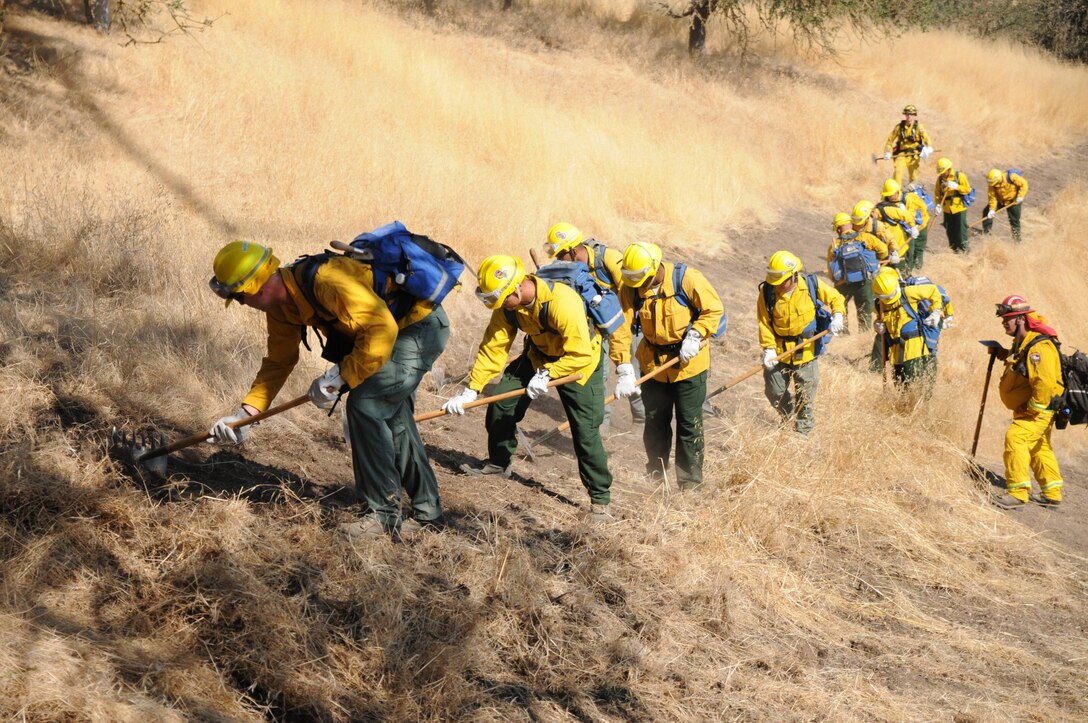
[(846, 576)]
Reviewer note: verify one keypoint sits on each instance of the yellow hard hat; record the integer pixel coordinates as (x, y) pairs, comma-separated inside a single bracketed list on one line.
[(241, 267), (862, 211), (993, 177), (841, 219), (891, 187), (562, 237), (499, 276), (943, 165), (910, 110), (886, 285), (640, 262), (782, 266)]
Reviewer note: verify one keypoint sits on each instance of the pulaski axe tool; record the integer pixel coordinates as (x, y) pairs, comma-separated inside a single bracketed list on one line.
[(149, 448)]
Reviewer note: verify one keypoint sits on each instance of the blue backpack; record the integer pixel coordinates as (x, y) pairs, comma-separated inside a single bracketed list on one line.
[(419, 268), (602, 305), (599, 269), (681, 296), (820, 322), (852, 261), (883, 209), (915, 326), (1008, 174)]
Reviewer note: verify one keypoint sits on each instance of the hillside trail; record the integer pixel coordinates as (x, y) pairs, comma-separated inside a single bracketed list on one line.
[(547, 491)]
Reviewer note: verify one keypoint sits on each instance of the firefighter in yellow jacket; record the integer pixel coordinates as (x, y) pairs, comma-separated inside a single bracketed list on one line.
[(674, 322), (379, 359), (560, 342), (952, 192), (566, 243), (1032, 379), (854, 282), (917, 212), (1007, 189), (787, 316), (864, 220), (909, 143), (906, 316)]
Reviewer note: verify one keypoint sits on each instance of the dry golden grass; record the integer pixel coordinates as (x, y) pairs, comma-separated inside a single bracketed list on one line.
[(856, 575)]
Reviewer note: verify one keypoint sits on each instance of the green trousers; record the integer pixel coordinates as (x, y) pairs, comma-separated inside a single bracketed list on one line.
[(684, 401), (916, 253), (920, 372), (955, 225), (387, 452), (806, 378), (584, 405), (1014, 220), (862, 294)]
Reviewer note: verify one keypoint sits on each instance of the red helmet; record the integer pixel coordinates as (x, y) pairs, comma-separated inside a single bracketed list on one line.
[(1013, 305)]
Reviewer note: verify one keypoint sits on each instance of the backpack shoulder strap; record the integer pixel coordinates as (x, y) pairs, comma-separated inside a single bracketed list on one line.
[(678, 272), (599, 268), (307, 273), (768, 296)]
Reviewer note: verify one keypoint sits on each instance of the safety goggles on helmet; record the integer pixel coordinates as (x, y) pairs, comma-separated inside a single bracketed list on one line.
[(226, 291), (1007, 310)]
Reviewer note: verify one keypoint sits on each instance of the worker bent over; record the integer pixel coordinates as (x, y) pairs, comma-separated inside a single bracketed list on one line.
[(1006, 191), (379, 358), (909, 143), (561, 342), (907, 216), (792, 307), (566, 243), (909, 322), (954, 194), (676, 309), (1032, 380)]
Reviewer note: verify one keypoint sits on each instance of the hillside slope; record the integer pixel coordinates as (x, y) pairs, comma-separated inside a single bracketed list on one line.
[(856, 574)]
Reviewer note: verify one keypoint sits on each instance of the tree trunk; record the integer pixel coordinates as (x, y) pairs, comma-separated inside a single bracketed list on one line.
[(700, 13), (98, 14)]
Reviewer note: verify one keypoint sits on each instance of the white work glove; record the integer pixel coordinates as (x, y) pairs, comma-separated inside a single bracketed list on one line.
[(887, 155), (914, 232), (769, 358), (878, 327), (991, 213), (538, 385), (690, 346), (325, 390), (893, 257), (456, 405), (927, 151), (625, 381), (933, 321), (948, 322), (1019, 199), (836, 324), (222, 434), (951, 186)]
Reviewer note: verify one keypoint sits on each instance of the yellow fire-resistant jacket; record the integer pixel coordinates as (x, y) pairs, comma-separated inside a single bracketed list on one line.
[(613, 264), (953, 203), (909, 140), (564, 345), (345, 288), (866, 239), (1029, 395), (1007, 190), (914, 203), (901, 239), (780, 327), (881, 231), (895, 317), (665, 321)]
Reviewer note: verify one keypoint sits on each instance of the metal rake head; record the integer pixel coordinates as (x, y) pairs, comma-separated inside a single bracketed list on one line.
[(132, 448)]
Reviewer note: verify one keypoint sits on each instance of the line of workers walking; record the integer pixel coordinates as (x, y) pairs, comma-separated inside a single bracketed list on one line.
[(382, 345)]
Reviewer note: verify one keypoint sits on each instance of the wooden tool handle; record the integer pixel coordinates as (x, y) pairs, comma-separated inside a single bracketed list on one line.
[(496, 398)]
